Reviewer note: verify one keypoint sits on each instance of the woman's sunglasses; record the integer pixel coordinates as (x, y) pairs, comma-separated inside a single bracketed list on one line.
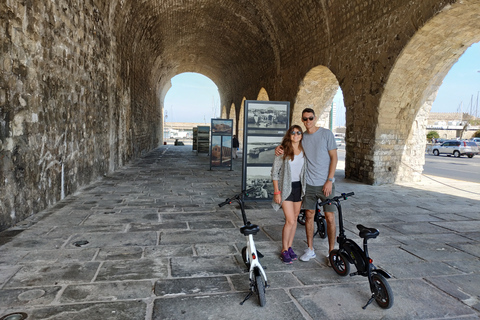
[(296, 132), (309, 118)]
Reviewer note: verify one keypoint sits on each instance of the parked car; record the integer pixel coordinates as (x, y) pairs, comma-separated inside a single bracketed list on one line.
[(476, 140), (339, 142), (456, 148), (440, 141)]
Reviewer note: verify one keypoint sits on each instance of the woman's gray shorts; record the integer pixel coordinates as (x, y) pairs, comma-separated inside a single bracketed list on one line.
[(312, 193)]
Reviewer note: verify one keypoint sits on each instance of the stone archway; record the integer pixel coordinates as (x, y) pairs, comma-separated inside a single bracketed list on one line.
[(223, 114), (263, 95), (411, 88), (233, 115), (316, 91), (241, 122)]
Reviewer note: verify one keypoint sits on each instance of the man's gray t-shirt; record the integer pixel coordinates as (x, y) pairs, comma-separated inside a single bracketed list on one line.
[(316, 147)]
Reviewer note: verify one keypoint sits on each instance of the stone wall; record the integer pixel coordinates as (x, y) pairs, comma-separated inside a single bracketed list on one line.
[(66, 117)]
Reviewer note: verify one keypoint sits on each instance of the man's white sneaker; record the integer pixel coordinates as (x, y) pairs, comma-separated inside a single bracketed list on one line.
[(309, 254)]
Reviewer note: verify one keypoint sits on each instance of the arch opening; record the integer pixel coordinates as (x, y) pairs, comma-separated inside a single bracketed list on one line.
[(320, 91), (192, 99), (412, 86)]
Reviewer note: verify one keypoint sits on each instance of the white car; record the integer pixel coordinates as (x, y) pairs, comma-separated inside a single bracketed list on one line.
[(456, 148)]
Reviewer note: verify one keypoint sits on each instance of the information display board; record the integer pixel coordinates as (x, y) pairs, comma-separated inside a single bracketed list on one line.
[(203, 139), (265, 125), (195, 136), (221, 145)]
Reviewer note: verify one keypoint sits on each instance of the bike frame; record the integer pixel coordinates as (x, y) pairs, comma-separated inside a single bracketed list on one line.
[(349, 246), (352, 251), (251, 256), (255, 265)]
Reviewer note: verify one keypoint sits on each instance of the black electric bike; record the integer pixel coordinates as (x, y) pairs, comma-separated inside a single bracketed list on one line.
[(319, 221), (350, 253)]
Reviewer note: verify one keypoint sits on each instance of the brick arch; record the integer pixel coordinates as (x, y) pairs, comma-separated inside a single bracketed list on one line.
[(223, 114), (316, 91), (263, 95), (233, 115), (241, 122), (412, 87)]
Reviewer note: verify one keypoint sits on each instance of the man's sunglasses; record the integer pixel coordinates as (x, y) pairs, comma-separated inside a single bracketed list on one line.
[(296, 132), (309, 118)]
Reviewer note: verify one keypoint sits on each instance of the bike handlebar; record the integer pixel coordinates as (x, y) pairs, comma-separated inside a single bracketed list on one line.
[(343, 196), (236, 197)]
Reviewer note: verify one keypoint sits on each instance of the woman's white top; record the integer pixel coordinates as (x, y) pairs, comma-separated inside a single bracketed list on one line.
[(296, 166)]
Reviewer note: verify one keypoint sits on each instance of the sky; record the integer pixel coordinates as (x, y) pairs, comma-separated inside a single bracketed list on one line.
[(194, 97)]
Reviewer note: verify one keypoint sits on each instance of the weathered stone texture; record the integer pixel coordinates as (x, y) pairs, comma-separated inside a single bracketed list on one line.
[(82, 83), (64, 109)]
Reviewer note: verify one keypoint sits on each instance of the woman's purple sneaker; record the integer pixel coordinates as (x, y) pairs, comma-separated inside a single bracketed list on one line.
[(292, 254), (286, 257)]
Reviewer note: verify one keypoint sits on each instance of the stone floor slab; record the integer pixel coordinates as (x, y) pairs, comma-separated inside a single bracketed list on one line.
[(15, 298), (133, 270), (204, 266), (103, 240), (278, 306), (111, 291), (123, 310), (53, 274), (412, 300), (188, 286)]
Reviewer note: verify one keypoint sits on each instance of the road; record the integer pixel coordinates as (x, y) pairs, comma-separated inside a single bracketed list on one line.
[(463, 168)]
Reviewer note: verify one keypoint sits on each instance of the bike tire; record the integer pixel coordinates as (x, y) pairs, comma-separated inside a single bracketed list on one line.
[(322, 228), (245, 258), (383, 293), (301, 217), (339, 263), (260, 288)]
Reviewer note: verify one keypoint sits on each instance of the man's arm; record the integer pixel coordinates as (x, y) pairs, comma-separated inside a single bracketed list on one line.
[(327, 187)]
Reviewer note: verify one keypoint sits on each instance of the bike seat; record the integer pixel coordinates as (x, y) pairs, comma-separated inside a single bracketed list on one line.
[(367, 233), (249, 229)]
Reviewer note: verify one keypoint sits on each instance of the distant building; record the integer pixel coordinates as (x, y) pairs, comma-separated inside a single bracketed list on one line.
[(180, 130), (452, 125)]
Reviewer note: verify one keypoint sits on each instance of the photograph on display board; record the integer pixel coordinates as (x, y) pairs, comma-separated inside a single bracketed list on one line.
[(267, 116), (260, 179), (226, 150), (223, 126), (216, 150), (221, 151), (203, 139), (261, 149)]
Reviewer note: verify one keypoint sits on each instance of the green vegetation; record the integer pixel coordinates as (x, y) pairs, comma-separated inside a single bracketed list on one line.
[(432, 135), (477, 134)]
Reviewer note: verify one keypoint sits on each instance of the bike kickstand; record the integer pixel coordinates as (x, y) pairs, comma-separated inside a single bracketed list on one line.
[(247, 297), (369, 301)]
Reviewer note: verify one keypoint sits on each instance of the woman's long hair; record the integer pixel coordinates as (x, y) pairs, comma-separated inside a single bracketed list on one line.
[(288, 152)]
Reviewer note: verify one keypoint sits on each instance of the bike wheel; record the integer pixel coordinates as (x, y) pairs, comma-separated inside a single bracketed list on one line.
[(301, 217), (383, 293), (260, 287), (339, 263), (322, 228), (245, 258)]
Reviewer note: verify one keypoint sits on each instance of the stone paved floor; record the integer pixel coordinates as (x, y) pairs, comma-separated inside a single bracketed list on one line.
[(159, 247)]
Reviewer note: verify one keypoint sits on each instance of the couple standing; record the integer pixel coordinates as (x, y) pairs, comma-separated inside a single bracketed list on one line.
[(304, 166)]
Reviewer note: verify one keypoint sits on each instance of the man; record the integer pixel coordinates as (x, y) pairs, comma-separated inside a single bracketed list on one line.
[(320, 150), (235, 146)]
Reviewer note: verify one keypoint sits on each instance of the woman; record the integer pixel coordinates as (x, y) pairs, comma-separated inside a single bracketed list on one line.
[(288, 174)]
